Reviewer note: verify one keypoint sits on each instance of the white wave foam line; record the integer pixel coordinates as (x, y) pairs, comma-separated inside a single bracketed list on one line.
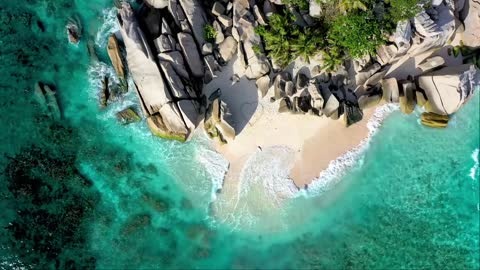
[(270, 168), (109, 26), (473, 170), (338, 167), (216, 166)]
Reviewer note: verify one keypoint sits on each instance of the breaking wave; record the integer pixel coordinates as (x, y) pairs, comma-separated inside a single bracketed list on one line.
[(339, 167), (474, 169)]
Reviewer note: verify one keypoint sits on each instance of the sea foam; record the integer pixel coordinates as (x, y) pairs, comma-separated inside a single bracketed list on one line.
[(474, 169), (109, 26), (339, 167)]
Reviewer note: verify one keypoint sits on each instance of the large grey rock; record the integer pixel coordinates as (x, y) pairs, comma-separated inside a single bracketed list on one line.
[(447, 89), (176, 59), (331, 107), (219, 33), (390, 90), (431, 63), (351, 114), (216, 124), (471, 21), (157, 3), (207, 48), (403, 35), (114, 53), (225, 20), (280, 84), (301, 81), (163, 44), (386, 53), (258, 64), (407, 99), (191, 54), (218, 9), (290, 88), (285, 105), (317, 100), (164, 118), (263, 84), (369, 101), (228, 48), (315, 10), (259, 15), (196, 18), (362, 76), (268, 8)]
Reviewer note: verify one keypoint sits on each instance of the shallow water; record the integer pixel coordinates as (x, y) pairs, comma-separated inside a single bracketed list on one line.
[(412, 201)]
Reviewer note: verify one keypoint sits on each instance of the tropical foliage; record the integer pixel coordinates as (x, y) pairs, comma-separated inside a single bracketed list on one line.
[(356, 34), (347, 29), (285, 41), (209, 33)]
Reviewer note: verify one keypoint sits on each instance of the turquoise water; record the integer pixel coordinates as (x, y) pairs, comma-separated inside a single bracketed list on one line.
[(88, 192)]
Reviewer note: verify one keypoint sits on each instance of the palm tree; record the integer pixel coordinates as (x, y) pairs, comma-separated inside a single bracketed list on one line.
[(349, 5), (307, 44), (332, 59)]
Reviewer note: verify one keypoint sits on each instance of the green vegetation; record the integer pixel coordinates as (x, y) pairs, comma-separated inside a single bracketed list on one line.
[(301, 4), (348, 29), (351, 5), (356, 34), (209, 33), (402, 9), (285, 41)]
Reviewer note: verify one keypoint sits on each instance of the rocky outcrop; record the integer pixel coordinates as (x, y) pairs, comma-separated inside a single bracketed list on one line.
[(431, 63), (157, 3), (191, 54), (158, 98), (390, 90), (263, 84), (216, 124), (74, 30), (469, 14), (228, 48), (114, 53), (434, 120), (407, 99), (128, 116), (243, 20), (447, 89), (351, 114)]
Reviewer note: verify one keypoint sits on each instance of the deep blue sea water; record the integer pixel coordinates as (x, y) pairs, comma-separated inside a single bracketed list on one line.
[(88, 192)]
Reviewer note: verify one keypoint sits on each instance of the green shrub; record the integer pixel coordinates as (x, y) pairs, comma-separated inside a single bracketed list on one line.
[(402, 9), (301, 4), (209, 33), (285, 41), (356, 34)]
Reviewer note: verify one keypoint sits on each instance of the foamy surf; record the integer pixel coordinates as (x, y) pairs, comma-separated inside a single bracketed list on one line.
[(474, 169), (108, 27), (340, 166)]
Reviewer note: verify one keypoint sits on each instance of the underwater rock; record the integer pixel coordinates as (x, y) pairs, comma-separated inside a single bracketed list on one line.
[(74, 30), (104, 93), (128, 116), (48, 101)]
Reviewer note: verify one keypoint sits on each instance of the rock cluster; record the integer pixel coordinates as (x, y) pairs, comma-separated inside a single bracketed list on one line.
[(216, 124), (169, 74), (438, 89), (322, 95)]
